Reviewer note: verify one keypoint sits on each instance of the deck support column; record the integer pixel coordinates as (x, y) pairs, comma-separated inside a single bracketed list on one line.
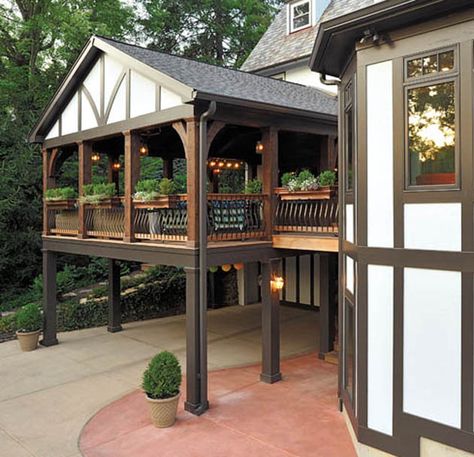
[(270, 323), (168, 168), (115, 317), (327, 303), (196, 376), (49, 299), (131, 175)]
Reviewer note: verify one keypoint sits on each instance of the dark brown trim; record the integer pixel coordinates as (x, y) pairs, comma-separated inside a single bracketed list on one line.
[(115, 318), (85, 91), (49, 299)]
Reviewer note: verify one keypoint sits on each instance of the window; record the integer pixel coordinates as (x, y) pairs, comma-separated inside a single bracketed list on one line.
[(431, 120), (300, 15), (349, 139)]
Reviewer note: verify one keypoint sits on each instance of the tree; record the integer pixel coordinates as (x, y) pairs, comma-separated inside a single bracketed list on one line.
[(38, 41), (221, 32)]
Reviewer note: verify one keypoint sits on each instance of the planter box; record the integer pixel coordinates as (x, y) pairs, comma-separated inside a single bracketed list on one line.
[(324, 193), (107, 203), (165, 201), (69, 203)]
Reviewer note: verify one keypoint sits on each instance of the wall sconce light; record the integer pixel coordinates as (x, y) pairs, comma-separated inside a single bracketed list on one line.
[(116, 166), (95, 157), (259, 147), (143, 150), (277, 283)]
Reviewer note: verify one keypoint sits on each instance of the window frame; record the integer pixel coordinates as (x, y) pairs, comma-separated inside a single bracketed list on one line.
[(425, 81), (292, 7), (349, 105)]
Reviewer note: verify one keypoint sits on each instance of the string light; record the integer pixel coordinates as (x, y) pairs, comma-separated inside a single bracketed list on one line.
[(95, 157), (116, 166), (143, 150)]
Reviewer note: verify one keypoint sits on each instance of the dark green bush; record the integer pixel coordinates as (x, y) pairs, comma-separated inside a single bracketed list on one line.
[(162, 378), (29, 319), (253, 186), (8, 324), (167, 187), (327, 178), (287, 177), (60, 193)]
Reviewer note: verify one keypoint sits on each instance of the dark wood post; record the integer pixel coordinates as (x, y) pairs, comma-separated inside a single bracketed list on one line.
[(85, 177), (270, 175), (132, 175), (115, 316), (48, 183), (192, 172), (270, 323), (49, 299), (168, 168), (327, 303), (196, 402)]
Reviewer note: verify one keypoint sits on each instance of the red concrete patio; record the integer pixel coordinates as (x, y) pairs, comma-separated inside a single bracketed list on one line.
[(296, 417)]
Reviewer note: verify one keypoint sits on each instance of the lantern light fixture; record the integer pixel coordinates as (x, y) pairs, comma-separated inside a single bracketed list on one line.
[(277, 283), (143, 150), (259, 147), (116, 166), (95, 157)]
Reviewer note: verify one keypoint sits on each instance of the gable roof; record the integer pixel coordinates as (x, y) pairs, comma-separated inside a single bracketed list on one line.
[(345, 22), (211, 80), (193, 81)]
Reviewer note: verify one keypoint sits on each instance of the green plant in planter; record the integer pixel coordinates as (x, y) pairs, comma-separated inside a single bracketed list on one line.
[(304, 181), (287, 178), (167, 187), (327, 178), (147, 190), (95, 193), (60, 193), (253, 186), (162, 378), (29, 319)]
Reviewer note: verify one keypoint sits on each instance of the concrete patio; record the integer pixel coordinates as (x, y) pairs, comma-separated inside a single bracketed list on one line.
[(48, 395)]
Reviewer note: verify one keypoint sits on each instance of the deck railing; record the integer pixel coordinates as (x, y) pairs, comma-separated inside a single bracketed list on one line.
[(105, 219), (62, 218), (307, 214)]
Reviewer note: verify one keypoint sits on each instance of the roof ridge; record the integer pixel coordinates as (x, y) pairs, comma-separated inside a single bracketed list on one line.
[(214, 65)]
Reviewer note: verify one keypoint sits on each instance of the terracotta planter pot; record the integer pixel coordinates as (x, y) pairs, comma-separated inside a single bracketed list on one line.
[(163, 412), (28, 341)]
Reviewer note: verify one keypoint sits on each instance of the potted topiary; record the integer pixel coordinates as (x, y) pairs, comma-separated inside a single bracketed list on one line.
[(29, 323), (161, 383)]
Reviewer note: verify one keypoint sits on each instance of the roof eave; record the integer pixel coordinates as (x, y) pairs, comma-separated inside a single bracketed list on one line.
[(329, 57)]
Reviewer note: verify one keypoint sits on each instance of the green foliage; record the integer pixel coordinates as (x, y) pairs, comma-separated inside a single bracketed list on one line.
[(305, 180), (253, 186), (222, 32), (327, 178), (8, 324), (287, 177), (162, 378), (60, 193), (29, 319), (95, 193), (167, 187), (147, 185)]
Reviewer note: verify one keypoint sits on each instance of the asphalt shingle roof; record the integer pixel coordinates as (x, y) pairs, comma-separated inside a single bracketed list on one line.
[(236, 84), (277, 47)]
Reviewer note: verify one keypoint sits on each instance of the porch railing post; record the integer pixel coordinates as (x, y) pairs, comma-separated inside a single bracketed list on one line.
[(85, 177), (48, 183), (49, 299), (270, 323), (132, 175), (270, 175)]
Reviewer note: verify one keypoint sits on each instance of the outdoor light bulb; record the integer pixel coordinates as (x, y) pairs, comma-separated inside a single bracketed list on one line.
[(237, 165), (213, 163), (95, 157), (143, 150), (221, 164), (277, 283), (259, 147), (116, 166), (229, 165)]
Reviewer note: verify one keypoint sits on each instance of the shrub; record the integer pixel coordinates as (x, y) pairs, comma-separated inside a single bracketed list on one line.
[(146, 190), (94, 193), (304, 181), (162, 378), (167, 187), (254, 186), (327, 178), (29, 319), (286, 178), (8, 324), (60, 193)]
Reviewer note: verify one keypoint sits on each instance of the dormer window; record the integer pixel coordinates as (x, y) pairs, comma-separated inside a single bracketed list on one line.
[(300, 15)]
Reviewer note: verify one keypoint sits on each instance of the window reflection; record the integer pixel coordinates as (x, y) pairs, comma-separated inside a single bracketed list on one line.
[(432, 134)]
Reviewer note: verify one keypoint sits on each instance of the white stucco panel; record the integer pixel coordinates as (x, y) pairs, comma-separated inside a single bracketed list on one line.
[(142, 95), (92, 84), (350, 223), (432, 345), (350, 278), (433, 226), (169, 99), (118, 111), (380, 155), (113, 70), (88, 119), (54, 132), (380, 349), (70, 117)]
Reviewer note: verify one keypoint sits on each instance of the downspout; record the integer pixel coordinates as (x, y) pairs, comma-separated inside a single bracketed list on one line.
[(203, 153), (329, 82)]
